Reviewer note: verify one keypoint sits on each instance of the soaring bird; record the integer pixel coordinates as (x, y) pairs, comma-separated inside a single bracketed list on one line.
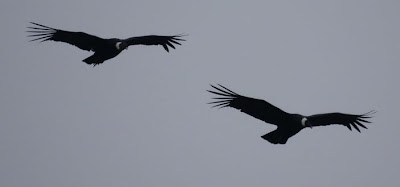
[(288, 124), (103, 49)]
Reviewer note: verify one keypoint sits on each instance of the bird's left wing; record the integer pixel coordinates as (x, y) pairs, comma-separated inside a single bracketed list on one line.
[(79, 39), (257, 108), (348, 120), (165, 41)]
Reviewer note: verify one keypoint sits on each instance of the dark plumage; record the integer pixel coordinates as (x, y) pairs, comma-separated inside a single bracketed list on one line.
[(104, 48), (288, 124)]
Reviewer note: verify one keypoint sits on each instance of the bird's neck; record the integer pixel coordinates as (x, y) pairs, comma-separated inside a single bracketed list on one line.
[(303, 121), (118, 45)]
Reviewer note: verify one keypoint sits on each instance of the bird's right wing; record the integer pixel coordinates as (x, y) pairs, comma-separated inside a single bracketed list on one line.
[(79, 39), (257, 108), (348, 120), (165, 41)]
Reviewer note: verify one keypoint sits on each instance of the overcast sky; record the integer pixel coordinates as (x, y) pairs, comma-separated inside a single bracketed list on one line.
[(141, 119)]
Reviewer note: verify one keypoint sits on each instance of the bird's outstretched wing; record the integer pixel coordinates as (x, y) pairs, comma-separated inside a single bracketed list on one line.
[(257, 108), (79, 39), (165, 41), (348, 120)]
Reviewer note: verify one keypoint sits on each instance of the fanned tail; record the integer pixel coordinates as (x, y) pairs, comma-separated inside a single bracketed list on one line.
[(275, 137)]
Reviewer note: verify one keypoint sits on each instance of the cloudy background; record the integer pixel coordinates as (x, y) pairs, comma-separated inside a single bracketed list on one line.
[(141, 119)]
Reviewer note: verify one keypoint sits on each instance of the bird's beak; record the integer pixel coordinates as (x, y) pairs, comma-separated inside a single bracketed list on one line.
[(308, 124)]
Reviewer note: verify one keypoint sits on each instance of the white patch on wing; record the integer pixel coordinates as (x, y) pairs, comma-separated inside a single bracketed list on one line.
[(303, 122)]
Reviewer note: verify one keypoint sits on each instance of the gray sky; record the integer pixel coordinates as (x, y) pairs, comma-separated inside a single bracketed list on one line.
[(140, 119)]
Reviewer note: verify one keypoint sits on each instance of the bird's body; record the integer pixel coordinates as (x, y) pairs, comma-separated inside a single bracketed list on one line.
[(288, 124), (104, 52), (288, 128), (104, 49)]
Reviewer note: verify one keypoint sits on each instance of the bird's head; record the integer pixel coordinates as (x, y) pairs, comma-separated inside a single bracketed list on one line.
[(121, 45), (305, 122)]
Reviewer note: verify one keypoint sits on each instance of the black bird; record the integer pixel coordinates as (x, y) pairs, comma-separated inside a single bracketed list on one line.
[(288, 124), (104, 49)]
